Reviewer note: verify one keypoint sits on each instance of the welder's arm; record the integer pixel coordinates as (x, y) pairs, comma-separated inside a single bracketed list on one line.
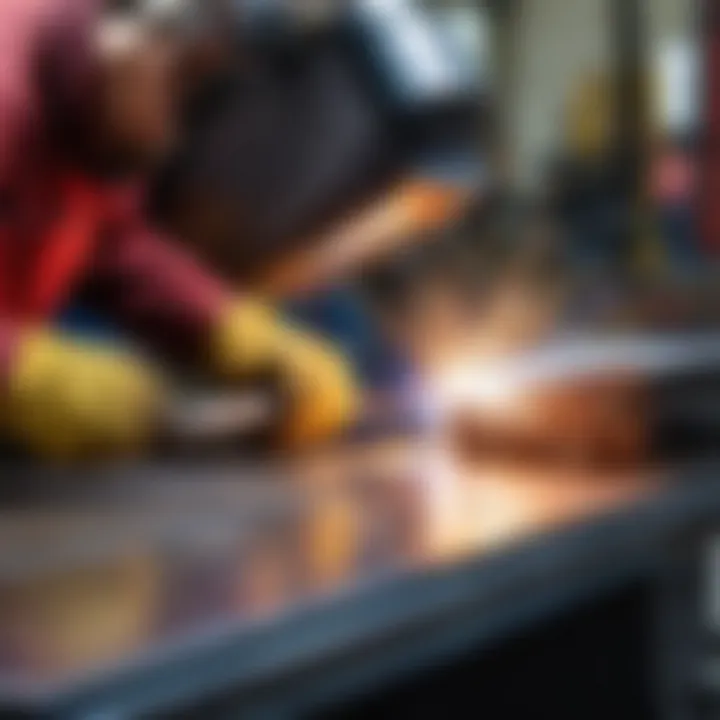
[(58, 399), (166, 299), (411, 209)]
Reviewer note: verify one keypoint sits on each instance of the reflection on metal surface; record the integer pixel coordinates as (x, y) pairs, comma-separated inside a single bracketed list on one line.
[(248, 551), (612, 400), (79, 617)]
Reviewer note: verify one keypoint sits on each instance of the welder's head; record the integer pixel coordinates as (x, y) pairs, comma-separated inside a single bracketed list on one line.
[(136, 121), (141, 48)]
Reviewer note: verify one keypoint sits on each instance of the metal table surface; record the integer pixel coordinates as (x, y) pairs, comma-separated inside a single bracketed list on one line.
[(154, 587)]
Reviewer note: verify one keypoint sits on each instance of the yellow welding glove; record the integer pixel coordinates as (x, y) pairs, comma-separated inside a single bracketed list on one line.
[(72, 401), (251, 339)]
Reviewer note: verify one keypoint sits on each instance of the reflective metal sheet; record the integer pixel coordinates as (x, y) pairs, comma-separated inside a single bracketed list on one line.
[(153, 558)]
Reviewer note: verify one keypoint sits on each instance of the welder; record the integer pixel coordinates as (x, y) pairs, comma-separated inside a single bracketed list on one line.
[(86, 103), (330, 142)]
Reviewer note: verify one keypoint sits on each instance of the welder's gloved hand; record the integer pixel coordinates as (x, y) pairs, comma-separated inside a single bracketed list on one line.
[(69, 401), (316, 380)]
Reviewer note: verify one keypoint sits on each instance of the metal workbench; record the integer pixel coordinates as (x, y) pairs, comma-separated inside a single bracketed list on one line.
[(222, 582)]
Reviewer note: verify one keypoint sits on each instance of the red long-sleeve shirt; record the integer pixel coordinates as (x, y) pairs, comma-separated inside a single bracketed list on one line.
[(51, 245)]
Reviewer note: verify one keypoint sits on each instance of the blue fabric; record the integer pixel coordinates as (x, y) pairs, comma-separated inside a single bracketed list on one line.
[(341, 315), (81, 321)]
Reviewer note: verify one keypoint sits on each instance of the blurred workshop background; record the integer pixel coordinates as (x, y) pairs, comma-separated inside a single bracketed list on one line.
[(500, 216)]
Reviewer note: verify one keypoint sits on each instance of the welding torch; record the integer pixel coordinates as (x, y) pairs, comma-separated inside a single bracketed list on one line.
[(597, 402)]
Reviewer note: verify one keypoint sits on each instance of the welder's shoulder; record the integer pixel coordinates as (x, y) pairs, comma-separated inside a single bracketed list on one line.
[(20, 26), (36, 35)]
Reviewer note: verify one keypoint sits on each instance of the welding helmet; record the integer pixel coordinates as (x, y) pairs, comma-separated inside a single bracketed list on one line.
[(341, 122), (417, 59)]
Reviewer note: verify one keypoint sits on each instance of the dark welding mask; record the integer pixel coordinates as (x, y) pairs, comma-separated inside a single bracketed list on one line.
[(420, 62), (373, 92)]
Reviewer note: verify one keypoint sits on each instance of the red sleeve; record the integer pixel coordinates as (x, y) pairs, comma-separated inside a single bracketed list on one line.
[(46, 61), (18, 102), (153, 289), (157, 292)]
